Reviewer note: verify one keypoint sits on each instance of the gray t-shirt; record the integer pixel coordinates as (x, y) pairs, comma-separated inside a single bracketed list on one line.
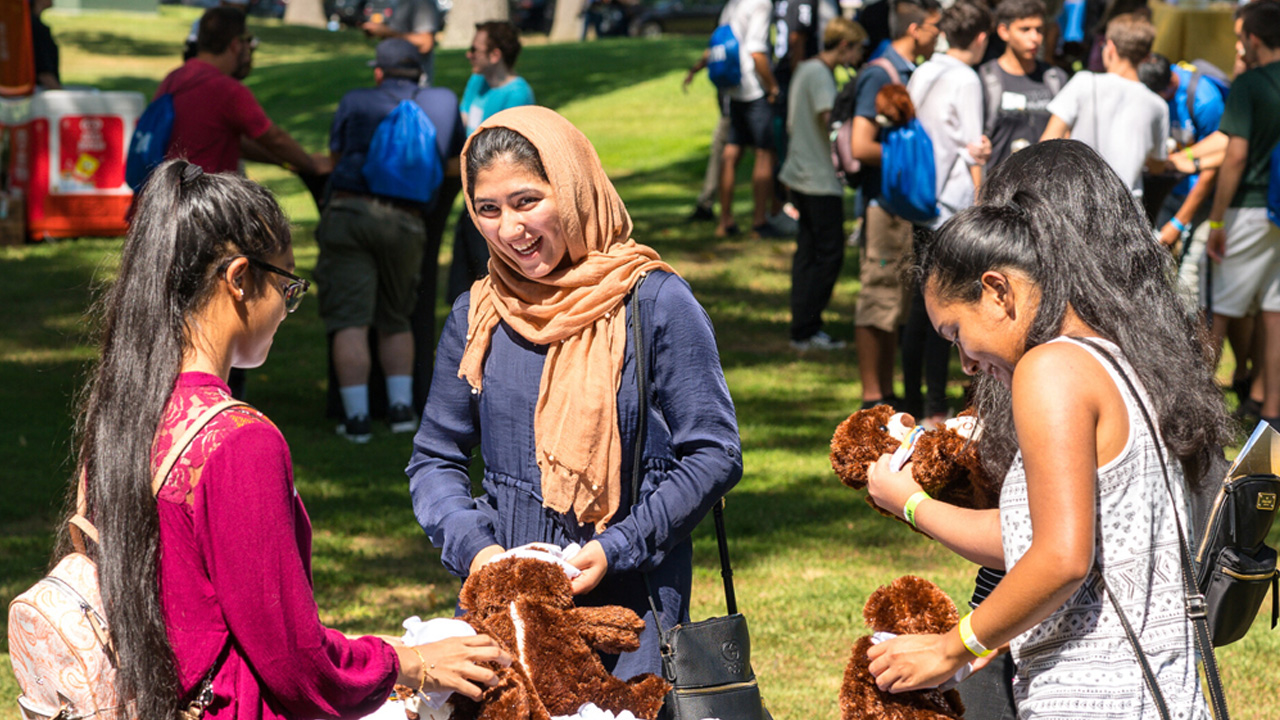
[(808, 167), (1121, 119), (418, 16), (1021, 111)]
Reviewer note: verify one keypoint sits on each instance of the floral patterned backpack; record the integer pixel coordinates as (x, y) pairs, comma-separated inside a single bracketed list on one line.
[(58, 638)]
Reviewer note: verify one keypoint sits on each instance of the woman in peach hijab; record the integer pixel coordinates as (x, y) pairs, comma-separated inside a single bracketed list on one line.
[(536, 366)]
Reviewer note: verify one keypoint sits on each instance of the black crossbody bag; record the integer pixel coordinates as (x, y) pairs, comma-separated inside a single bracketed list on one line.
[(708, 663)]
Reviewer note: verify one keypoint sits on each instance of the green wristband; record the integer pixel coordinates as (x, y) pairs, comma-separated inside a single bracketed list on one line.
[(909, 510)]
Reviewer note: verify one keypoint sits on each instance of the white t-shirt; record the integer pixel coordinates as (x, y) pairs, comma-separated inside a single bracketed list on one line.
[(808, 167), (750, 22), (948, 98), (1121, 119)]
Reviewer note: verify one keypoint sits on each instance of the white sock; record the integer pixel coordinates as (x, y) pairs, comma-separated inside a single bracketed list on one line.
[(400, 390), (355, 400)]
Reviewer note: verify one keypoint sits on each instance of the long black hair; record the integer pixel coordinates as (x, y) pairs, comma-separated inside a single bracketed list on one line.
[(187, 225), (1059, 214)]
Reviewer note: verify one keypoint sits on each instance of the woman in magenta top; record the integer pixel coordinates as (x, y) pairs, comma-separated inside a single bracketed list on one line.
[(207, 586)]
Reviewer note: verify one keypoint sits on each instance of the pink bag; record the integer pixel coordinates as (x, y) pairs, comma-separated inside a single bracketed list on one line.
[(58, 638)]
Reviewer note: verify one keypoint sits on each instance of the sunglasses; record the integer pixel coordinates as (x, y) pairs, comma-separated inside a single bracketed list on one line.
[(251, 41), (292, 291)]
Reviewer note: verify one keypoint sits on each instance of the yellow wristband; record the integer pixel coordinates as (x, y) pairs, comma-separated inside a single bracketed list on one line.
[(909, 510), (970, 640), (1215, 224), (1190, 155)]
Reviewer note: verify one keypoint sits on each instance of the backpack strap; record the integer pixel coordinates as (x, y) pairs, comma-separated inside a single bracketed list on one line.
[(1192, 84), (79, 525), (993, 91), (1054, 79), (883, 63)]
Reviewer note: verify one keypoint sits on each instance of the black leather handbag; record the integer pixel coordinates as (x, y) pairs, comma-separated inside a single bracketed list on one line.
[(708, 663)]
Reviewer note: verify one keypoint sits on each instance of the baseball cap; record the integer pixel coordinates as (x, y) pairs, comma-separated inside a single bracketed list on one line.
[(395, 54)]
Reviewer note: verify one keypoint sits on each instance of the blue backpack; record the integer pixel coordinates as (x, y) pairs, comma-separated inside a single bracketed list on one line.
[(908, 177), (724, 66), (150, 141), (403, 161)]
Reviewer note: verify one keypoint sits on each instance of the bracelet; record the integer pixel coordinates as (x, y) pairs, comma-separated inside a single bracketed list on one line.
[(422, 665), (1178, 224), (1195, 163), (1215, 224), (1187, 151), (970, 640), (909, 510)]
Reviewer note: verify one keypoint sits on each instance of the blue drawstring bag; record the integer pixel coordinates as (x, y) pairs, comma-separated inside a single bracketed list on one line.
[(724, 66), (403, 161), (150, 141), (1273, 187), (1071, 20), (908, 178)]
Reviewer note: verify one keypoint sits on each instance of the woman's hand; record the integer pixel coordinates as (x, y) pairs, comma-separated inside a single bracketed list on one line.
[(484, 556), (913, 662), (454, 664), (593, 564), (890, 490)]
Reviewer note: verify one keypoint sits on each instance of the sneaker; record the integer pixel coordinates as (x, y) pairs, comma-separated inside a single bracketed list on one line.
[(356, 429), (402, 419), (701, 213), (785, 224), (766, 230), (818, 341)]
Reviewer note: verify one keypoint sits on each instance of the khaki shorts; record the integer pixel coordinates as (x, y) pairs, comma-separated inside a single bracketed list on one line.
[(883, 299), (370, 259), (1250, 272)]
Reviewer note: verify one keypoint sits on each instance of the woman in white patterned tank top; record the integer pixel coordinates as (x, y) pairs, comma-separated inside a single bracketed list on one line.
[(1055, 266)]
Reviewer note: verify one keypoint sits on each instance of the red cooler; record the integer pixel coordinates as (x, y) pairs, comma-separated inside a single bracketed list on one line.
[(67, 159)]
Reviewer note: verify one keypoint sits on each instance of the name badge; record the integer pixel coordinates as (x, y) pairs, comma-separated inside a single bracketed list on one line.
[(1013, 102)]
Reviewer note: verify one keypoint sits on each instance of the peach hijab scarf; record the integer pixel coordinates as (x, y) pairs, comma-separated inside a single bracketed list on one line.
[(577, 311)]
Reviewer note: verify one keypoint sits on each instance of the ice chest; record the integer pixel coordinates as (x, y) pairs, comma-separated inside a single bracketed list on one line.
[(67, 151)]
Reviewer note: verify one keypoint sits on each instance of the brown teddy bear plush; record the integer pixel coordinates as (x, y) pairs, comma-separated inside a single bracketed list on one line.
[(526, 605), (907, 606), (944, 461)]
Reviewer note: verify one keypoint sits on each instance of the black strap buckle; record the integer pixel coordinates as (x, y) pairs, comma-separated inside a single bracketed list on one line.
[(1197, 608)]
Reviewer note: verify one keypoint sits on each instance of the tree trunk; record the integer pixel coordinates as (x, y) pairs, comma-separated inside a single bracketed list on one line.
[(305, 12), (465, 14), (568, 21)]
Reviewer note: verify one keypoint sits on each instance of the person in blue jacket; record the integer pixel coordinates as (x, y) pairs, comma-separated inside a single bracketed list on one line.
[(536, 366)]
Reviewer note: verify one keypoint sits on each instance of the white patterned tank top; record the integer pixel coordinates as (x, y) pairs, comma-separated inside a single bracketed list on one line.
[(1077, 663)]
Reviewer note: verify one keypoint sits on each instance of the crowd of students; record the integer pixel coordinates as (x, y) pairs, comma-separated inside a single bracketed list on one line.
[(1004, 81)]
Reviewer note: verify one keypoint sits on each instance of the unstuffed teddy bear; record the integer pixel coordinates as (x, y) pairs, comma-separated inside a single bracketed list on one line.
[(526, 605), (944, 461), (907, 606)]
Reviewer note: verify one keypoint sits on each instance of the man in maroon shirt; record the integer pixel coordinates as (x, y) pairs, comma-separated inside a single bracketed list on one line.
[(216, 118)]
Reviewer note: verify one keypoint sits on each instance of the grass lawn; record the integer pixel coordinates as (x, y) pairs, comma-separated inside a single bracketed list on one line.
[(807, 551)]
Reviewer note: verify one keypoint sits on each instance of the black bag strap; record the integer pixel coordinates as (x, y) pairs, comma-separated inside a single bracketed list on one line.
[(1194, 599), (637, 464)]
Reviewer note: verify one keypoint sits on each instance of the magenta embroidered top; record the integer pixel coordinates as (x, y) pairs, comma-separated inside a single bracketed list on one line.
[(235, 574)]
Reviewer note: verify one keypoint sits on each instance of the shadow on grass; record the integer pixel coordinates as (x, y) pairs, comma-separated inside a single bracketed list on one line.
[(101, 42)]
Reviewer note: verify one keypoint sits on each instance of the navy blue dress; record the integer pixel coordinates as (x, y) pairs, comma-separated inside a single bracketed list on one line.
[(692, 457)]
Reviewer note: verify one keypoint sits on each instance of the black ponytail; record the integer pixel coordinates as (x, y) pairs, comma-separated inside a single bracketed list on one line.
[(186, 225)]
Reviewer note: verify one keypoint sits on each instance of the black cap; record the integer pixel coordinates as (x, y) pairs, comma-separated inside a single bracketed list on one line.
[(396, 54)]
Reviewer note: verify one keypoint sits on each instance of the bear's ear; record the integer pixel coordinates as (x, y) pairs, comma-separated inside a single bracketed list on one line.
[(908, 606)]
